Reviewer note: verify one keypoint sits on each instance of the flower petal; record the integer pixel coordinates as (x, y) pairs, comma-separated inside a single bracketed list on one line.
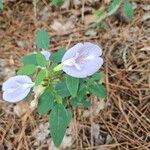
[(82, 60), (86, 47), (93, 66), (15, 96), (17, 88), (10, 84), (90, 68), (92, 49), (72, 51), (47, 54)]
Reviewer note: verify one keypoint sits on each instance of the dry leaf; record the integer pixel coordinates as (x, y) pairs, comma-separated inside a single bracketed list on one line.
[(21, 108), (76, 3), (107, 1), (145, 48), (42, 132), (146, 7), (100, 105), (96, 129), (86, 113), (62, 28), (146, 16), (91, 32), (66, 4), (88, 19)]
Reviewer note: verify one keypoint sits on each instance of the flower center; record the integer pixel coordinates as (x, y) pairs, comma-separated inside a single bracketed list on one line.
[(72, 62)]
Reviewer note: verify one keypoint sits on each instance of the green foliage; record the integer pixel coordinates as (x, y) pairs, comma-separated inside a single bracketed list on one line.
[(82, 93), (69, 115), (42, 39), (40, 77), (127, 9), (99, 13), (27, 70), (80, 103), (64, 102), (41, 60), (111, 10), (59, 119), (98, 76), (113, 5), (101, 23), (1, 4), (36, 59), (56, 57), (29, 59), (62, 90), (45, 103), (98, 90), (57, 3), (72, 85)]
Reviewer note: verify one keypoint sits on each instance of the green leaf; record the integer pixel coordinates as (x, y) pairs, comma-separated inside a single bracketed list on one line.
[(69, 115), (127, 9), (62, 90), (36, 59), (41, 60), (99, 13), (56, 57), (1, 4), (27, 70), (90, 82), (64, 102), (72, 85), (29, 59), (42, 39), (45, 103), (113, 5), (58, 123), (98, 76), (40, 77), (98, 90), (57, 3), (80, 103), (82, 93)]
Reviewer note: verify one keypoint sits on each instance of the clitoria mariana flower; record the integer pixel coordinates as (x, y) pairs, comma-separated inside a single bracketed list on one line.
[(82, 60), (17, 88)]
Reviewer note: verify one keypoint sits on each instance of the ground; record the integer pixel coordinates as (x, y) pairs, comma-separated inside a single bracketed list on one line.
[(122, 120)]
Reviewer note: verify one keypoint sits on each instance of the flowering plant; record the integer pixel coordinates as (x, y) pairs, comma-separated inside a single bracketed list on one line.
[(59, 81)]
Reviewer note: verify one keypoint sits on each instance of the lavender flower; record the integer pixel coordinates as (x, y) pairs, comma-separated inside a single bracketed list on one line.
[(46, 54), (17, 88), (82, 60)]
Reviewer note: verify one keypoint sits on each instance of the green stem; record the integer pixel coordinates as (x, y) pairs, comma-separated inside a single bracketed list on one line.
[(57, 68), (58, 98)]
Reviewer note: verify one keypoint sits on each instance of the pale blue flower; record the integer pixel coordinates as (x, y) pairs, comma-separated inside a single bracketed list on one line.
[(47, 54), (82, 60), (17, 88)]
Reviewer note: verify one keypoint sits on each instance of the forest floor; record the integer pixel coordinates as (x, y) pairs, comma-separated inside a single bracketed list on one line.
[(122, 120)]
